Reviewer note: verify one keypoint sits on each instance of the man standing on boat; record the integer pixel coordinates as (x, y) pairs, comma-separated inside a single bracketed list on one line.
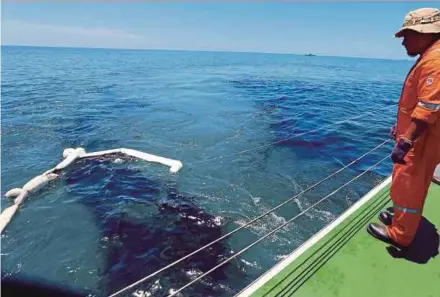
[(417, 131)]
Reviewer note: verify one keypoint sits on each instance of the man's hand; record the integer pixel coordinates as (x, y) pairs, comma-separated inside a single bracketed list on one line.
[(401, 149), (393, 132), (405, 143)]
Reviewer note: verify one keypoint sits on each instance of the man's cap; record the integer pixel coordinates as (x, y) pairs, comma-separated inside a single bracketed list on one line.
[(422, 20)]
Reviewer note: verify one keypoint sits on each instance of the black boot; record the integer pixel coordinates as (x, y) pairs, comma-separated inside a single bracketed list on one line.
[(386, 217), (380, 232)]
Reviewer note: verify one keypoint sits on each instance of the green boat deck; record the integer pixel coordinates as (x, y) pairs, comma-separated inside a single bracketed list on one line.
[(344, 260)]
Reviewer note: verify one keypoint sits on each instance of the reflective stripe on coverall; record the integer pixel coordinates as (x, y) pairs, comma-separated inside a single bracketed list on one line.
[(420, 99)]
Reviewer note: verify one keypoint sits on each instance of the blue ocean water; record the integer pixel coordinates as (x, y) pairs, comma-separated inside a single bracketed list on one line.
[(105, 224)]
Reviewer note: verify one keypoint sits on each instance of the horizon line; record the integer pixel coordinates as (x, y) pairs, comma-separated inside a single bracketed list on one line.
[(204, 50)]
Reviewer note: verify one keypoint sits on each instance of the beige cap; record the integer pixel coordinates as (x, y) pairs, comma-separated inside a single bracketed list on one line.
[(423, 20)]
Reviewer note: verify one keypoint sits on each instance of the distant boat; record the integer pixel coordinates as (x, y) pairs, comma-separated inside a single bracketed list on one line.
[(310, 55)]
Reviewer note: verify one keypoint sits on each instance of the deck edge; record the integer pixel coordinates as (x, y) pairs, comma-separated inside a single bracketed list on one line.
[(280, 266)]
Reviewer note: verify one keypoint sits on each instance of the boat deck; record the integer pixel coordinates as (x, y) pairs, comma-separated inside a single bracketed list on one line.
[(344, 260)]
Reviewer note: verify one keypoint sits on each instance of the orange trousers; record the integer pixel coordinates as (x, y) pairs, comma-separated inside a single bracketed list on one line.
[(409, 187)]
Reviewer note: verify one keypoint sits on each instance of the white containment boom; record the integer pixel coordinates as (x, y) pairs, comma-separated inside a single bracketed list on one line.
[(70, 155)]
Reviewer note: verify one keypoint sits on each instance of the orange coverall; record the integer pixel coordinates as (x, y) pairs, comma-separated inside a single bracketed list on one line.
[(420, 99)]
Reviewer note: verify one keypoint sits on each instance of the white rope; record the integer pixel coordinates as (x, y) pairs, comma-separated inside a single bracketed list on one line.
[(292, 137), (248, 223), (273, 231)]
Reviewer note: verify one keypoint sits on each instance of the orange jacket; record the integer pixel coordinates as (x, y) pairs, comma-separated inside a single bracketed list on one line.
[(420, 96)]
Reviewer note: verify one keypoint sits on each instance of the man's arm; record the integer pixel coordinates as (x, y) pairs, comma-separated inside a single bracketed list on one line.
[(427, 110)]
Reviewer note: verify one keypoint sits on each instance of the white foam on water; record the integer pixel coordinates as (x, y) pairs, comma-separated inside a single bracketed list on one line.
[(154, 288), (253, 264), (193, 273)]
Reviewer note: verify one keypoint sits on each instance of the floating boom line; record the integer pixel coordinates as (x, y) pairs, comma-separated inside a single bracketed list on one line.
[(70, 155)]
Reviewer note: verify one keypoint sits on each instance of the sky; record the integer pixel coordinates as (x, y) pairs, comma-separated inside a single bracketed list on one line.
[(354, 29)]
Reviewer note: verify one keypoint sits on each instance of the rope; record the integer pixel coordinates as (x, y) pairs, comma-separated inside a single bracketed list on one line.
[(248, 223), (289, 138), (273, 231)]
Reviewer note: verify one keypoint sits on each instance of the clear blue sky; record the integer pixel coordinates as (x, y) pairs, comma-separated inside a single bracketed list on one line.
[(343, 29)]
